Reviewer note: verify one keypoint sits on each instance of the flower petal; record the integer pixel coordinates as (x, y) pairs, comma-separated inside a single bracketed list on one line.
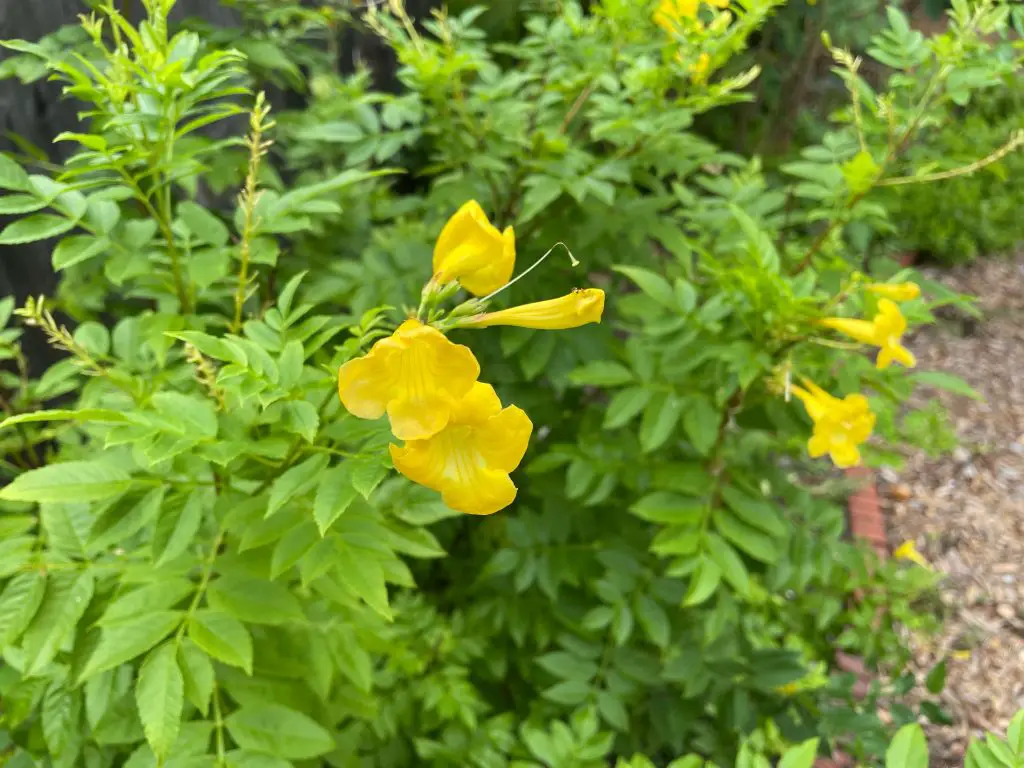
[(477, 406), (818, 445), (488, 491), (845, 455), (420, 462), (895, 291), (364, 386), (861, 330), (570, 311), (498, 271), (503, 440), (419, 417)]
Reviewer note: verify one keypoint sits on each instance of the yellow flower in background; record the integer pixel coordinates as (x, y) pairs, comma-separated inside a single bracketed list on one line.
[(721, 4), (699, 69), (416, 376), (671, 12), (471, 250), (884, 331), (469, 461), (908, 551), (839, 425), (895, 291), (570, 311)]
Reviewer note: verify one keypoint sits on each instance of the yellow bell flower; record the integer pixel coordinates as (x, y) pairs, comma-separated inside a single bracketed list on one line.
[(471, 250), (908, 551), (895, 291), (839, 425), (570, 311), (671, 12), (469, 461), (416, 376), (884, 332)]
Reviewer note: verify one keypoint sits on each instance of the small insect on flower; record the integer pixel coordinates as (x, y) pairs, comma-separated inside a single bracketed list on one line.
[(895, 291), (471, 250), (578, 308), (469, 461), (884, 331), (840, 426), (416, 376)]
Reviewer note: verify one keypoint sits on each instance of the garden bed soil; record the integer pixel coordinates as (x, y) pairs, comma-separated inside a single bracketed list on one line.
[(965, 512)]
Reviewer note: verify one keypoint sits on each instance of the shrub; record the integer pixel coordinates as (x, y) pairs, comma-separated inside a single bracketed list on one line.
[(206, 556)]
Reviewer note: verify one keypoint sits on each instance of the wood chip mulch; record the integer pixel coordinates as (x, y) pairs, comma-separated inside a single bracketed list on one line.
[(965, 511)]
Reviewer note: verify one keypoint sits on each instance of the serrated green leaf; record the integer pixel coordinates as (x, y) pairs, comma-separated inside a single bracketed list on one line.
[(659, 421), (361, 572), (908, 748), (366, 474), (290, 549), (254, 601), (206, 227), (12, 175), (613, 711), (39, 226), (175, 532), (100, 415), (601, 373), (277, 730), (67, 527), (66, 598), (128, 639), (730, 563), (295, 482), (756, 512), (654, 620), (301, 418), (126, 517), (19, 602), (701, 421), (68, 481), (756, 544), (651, 283), (59, 712), (801, 756), (703, 583), (625, 405), (333, 497), (222, 637), (160, 698), (197, 674), (160, 595), (669, 508), (77, 249)]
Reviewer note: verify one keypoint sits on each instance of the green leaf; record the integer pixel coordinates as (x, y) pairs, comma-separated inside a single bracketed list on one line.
[(659, 421), (613, 711), (730, 563), (290, 549), (756, 544), (255, 601), (654, 620), (947, 381), (756, 512), (705, 580), (352, 659), (197, 675), (908, 749), (361, 572), (206, 227), (126, 517), (59, 711), (601, 373), (19, 602), (15, 554), (64, 603), (279, 731), (936, 678), (802, 755), (175, 532), (701, 420), (68, 481), (567, 666), (12, 175), (568, 692), (669, 508), (39, 226), (652, 284), (366, 473), (295, 482), (160, 697), (333, 497), (222, 637), (100, 415), (125, 640), (1014, 734), (625, 405), (300, 418), (240, 758), (193, 416), (161, 595), (76, 249)]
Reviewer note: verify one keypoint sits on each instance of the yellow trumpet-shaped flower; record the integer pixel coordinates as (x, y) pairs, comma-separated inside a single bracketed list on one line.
[(471, 250), (884, 331), (895, 291), (671, 12), (570, 311), (908, 551), (469, 461), (839, 425), (416, 376)]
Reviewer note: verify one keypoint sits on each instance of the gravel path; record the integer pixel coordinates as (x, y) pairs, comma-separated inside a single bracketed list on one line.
[(966, 512)]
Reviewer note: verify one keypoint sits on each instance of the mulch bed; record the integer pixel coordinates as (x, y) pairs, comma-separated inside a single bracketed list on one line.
[(965, 511)]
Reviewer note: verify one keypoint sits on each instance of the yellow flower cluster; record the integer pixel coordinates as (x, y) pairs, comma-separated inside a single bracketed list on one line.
[(841, 426), (670, 13), (459, 440)]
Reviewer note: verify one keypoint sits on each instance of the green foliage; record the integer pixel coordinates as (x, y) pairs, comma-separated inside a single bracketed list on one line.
[(206, 560)]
